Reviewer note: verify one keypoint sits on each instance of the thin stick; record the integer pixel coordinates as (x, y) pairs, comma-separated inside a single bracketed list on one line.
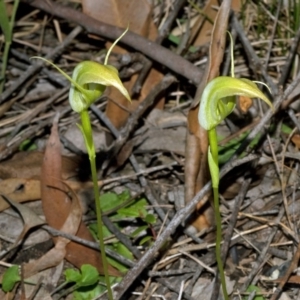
[(149, 48), (39, 64), (179, 217)]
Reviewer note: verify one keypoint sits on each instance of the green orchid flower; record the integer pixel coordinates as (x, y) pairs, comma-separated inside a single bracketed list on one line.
[(218, 98), (88, 82), (217, 102)]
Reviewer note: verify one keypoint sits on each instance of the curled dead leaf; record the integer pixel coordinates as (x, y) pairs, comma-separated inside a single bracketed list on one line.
[(244, 103), (296, 140)]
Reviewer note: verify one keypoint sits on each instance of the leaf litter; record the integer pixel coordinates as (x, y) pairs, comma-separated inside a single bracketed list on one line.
[(263, 248)]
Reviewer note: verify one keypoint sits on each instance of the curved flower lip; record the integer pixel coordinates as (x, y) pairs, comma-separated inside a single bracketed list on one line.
[(217, 100), (91, 79)]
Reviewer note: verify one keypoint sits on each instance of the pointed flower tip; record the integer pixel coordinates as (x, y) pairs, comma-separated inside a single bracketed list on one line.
[(126, 94), (114, 80)]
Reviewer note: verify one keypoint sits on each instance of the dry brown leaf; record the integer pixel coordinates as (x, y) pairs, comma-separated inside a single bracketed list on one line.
[(53, 257), (138, 14), (244, 103), (30, 218), (204, 35), (19, 190), (218, 40), (56, 206), (28, 165), (196, 166), (201, 27), (21, 175), (296, 140), (23, 189)]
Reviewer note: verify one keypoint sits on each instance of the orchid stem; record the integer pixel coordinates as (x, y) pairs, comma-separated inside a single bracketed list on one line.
[(89, 142), (218, 242), (212, 135)]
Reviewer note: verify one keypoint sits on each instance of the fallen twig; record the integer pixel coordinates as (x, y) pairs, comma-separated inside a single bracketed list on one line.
[(38, 65), (151, 49), (180, 216)]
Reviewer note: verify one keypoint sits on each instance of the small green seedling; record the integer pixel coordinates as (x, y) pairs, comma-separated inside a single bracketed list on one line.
[(84, 284), (217, 102), (121, 207), (88, 82), (252, 288), (10, 277), (27, 145)]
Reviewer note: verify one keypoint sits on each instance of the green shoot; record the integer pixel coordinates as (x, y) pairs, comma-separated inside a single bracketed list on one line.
[(7, 29), (10, 277)]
